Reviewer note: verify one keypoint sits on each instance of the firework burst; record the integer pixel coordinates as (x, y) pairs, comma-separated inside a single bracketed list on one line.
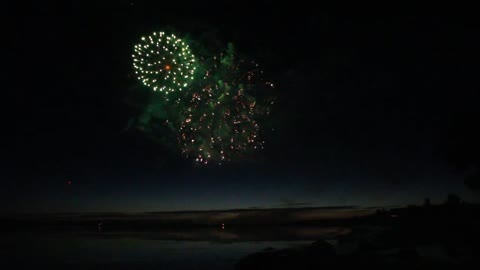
[(164, 62), (222, 119)]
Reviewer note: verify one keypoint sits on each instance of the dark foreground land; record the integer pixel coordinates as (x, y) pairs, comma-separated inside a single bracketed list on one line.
[(428, 237)]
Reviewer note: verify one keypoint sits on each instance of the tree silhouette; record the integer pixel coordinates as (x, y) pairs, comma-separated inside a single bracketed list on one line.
[(463, 146), (453, 200)]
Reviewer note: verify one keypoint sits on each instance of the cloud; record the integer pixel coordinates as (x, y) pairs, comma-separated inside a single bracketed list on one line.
[(296, 204), (293, 203)]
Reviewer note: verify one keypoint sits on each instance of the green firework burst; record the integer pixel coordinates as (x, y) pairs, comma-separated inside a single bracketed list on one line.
[(164, 62)]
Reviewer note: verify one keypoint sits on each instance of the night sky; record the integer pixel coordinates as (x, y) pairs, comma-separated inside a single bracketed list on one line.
[(369, 106)]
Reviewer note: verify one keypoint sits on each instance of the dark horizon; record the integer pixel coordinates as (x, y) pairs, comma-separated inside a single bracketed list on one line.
[(293, 208)]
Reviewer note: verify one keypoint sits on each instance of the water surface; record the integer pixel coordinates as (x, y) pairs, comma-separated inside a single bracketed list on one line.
[(167, 249)]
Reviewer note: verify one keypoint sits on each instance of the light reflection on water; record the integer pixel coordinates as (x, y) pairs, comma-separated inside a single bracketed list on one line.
[(167, 249)]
